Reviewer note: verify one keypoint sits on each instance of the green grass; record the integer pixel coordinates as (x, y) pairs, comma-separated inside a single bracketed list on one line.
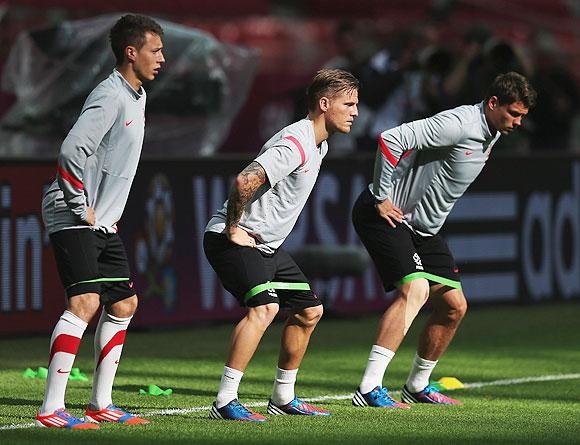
[(505, 342)]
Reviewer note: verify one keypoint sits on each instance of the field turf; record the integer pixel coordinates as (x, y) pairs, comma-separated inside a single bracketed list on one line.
[(499, 345)]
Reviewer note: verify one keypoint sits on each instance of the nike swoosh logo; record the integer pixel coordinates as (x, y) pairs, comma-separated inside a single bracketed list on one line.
[(128, 123), (60, 371), (116, 362), (467, 153)]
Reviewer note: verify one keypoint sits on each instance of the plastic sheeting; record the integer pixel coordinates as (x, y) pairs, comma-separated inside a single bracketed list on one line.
[(190, 106)]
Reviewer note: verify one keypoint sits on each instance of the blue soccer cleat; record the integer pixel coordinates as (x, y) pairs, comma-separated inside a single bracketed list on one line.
[(378, 398), (429, 395), (296, 407), (63, 419), (112, 414), (235, 411)]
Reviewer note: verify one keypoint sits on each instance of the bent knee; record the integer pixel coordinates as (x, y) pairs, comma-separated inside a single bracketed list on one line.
[(264, 314), (84, 306), (310, 316), (124, 308), (456, 306), (459, 309)]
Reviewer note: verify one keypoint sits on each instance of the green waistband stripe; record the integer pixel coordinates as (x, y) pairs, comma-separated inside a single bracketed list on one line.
[(430, 277), (275, 285), (98, 280)]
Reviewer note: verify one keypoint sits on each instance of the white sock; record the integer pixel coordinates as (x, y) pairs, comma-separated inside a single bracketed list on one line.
[(421, 370), (109, 340), (228, 391), (379, 359), (283, 391), (64, 345)]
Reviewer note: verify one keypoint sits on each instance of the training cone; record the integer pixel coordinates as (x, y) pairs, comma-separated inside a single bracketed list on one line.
[(76, 374), (154, 390), (451, 383)]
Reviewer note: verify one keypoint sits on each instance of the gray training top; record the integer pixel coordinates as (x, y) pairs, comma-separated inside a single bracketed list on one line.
[(98, 159), (292, 161), (424, 166)]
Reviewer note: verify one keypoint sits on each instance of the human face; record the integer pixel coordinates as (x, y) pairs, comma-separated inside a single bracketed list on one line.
[(149, 58), (504, 118), (340, 111)]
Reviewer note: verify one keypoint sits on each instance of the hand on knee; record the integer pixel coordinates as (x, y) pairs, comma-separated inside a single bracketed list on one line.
[(309, 317), (263, 315)]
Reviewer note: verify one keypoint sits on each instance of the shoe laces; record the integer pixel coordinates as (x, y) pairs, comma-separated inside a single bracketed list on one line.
[(383, 393), (242, 409), (430, 389), (304, 406), (114, 408), (64, 413)]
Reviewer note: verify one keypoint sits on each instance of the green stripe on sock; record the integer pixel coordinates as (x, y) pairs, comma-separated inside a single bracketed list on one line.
[(430, 277), (274, 285), (98, 280)]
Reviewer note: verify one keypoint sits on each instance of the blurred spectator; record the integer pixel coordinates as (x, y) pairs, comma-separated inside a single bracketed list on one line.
[(465, 81), (558, 108), (392, 83), (353, 50), (352, 46)]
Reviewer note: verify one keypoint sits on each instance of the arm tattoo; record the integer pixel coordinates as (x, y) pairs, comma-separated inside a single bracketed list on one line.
[(244, 188)]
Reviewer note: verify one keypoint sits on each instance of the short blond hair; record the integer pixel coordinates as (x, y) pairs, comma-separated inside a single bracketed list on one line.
[(329, 82)]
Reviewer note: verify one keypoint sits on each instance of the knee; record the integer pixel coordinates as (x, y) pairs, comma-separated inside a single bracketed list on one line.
[(310, 316), (264, 315), (457, 308), (124, 308), (84, 306)]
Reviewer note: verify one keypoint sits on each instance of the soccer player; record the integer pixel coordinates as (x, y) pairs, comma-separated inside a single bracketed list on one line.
[(421, 169), (96, 166), (242, 243)]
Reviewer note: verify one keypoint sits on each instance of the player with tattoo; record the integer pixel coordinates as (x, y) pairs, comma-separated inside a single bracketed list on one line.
[(242, 243)]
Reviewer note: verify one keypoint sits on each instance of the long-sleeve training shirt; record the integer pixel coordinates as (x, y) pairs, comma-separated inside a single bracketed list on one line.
[(98, 159), (292, 161), (424, 166)]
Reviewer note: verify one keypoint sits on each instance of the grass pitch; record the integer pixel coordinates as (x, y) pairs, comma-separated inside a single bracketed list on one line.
[(501, 343)]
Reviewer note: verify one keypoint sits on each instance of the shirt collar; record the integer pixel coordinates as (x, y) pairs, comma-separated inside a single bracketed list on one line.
[(134, 94), (487, 134)]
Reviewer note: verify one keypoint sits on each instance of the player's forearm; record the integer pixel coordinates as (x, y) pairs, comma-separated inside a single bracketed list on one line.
[(243, 190)]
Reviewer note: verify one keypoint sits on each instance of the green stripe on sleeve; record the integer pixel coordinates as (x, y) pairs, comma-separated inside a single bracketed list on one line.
[(274, 285), (430, 277)]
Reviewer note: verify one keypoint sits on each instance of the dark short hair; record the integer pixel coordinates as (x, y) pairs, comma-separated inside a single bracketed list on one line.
[(512, 87), (130, 30), (329, 82)]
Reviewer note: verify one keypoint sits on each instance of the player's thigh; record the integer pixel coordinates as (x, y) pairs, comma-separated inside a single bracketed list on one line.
[(76, 252), (117, 284), (448, 300), (293, 288), (438, 261), (393, 253), (243, 271)]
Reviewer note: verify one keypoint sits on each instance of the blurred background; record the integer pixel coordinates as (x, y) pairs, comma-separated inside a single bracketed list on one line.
[(236, 73)]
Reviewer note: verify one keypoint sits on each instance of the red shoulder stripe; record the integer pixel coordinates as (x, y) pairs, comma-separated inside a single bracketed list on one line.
[(299, 145), (386, 152)]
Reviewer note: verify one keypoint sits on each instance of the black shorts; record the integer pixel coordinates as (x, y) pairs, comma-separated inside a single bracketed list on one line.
[(399, 254), (92, 261), (255, 278)]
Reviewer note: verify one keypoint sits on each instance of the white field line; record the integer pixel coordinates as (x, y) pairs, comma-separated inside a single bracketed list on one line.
[(196, 409)]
